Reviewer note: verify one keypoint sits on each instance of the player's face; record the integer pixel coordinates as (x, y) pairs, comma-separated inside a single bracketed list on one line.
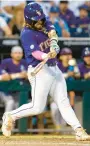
[(64, 6), (17, 55), (83, 13), (65, 58), (87, 60), (39, 25), (53, 16), (87, 3), (70, 56)]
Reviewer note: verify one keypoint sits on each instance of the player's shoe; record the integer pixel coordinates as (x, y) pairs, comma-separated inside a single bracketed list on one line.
[(81, 135), (7, 124)]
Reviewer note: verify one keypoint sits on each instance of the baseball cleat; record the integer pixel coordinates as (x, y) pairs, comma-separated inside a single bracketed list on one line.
[(7, 124), (81, 135)]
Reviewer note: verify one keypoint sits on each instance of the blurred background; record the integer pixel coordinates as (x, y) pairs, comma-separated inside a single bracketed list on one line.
[(72, 24)]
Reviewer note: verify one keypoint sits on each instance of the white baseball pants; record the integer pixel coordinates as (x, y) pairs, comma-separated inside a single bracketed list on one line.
[(48, 81), (56, 115)]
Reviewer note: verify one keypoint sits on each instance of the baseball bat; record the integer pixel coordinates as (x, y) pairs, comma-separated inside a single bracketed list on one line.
[(38, 67)]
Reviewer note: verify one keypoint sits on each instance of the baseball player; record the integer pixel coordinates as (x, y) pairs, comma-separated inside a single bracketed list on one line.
[(39, 41), (16, 68), (84, 67), (4, 97)]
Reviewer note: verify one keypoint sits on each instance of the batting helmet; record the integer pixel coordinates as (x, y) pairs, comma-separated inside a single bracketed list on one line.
[(66, 51), (33, 12)]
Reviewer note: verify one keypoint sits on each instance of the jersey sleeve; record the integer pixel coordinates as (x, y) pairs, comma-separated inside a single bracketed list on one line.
[(81, 70), (29, 42), (3, 67)]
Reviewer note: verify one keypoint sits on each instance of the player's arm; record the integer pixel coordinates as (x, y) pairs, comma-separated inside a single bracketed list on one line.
[(54, 48), (32, 47), (21, 75), (53, 41), (39, 55), (5, 77), (87, 75)]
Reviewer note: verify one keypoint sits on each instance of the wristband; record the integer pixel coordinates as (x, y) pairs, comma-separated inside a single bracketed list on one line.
[(52, 35), (54, 46)]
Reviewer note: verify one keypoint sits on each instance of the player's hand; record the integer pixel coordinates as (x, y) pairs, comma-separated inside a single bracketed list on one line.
[(71, 74), (54, 46), (52, 54), (23, 74), (5, 77)]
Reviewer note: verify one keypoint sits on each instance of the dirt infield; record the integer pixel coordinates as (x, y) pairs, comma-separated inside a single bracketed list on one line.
[(41, 141)]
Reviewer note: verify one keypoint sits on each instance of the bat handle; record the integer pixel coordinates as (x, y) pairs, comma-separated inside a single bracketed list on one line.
[(32, 74)]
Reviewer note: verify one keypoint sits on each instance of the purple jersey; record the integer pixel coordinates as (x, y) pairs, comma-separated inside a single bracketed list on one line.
[(8, 66), (83, 69), (84, 21), (33, 40), (62, 68), (68, 17)]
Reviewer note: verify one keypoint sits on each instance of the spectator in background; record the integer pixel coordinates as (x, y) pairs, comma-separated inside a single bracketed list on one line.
[(16, 68), (68, 70), (7, 8), (60, 26), (66, 14), (87, 3), (9, 5), (84, 67), (63, 64), (4, 28), (18, 21), (5, 98), (74, 5), (83, 21), (7, 17), (45, 5), (10, 11)]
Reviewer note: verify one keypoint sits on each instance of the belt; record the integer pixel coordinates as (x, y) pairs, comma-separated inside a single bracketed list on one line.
[(48, 64), (51, 64)]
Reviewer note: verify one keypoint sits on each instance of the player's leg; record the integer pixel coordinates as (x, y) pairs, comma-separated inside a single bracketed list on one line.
[(40, 84), (59, 93), (8, 101), (56, 115), (62, 101)]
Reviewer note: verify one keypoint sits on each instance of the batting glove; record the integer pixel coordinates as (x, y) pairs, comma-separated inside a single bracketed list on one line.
[(54, 46)]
